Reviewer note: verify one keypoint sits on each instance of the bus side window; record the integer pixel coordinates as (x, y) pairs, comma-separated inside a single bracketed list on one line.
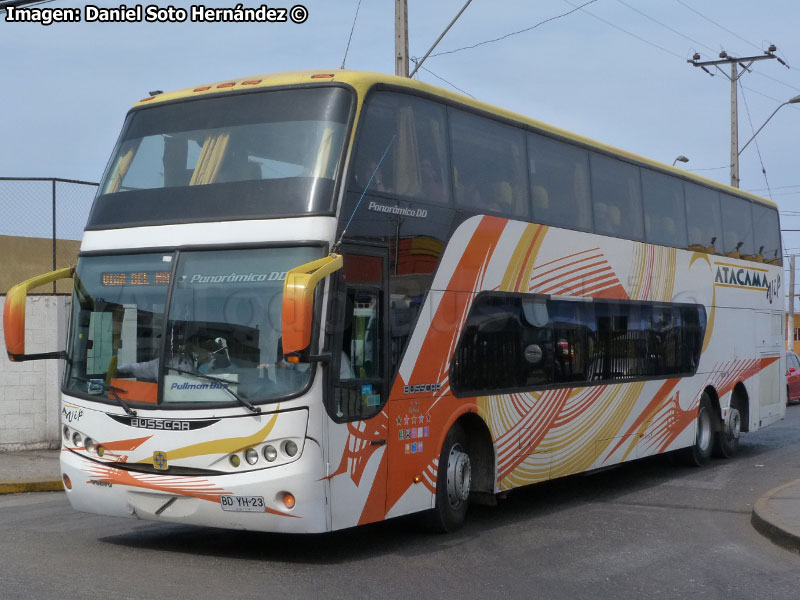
[(766, 231), (402, 149), (617, 198), (559, 179), (737, 228), (704, 219), (664, 208), (488, 165)]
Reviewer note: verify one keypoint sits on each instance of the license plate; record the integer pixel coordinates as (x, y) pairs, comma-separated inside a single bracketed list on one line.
[(242, 503)]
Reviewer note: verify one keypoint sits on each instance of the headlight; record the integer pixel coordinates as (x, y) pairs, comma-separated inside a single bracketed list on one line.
[(251, 456), (270, 453), (89, 443), (76, 439), (290, 448)]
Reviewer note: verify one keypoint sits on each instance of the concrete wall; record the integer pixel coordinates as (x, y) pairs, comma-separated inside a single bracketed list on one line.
[(29, 391)]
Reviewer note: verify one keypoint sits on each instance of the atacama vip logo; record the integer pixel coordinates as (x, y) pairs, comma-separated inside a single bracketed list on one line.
[(746, 278)]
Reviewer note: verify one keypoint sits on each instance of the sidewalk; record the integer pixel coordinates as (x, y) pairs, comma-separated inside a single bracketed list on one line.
[(776, 515), (30, 471)]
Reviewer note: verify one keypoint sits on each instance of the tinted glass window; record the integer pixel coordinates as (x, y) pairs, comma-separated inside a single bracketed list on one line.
[(256, 155), (704, 221), (516, 342), (617, 198), (559, 181), (767, 233), (737, 227), (664, 214), (411, 133), (488, 165)]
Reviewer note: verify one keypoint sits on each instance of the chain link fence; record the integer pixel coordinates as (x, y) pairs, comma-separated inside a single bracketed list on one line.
[(41, 227)]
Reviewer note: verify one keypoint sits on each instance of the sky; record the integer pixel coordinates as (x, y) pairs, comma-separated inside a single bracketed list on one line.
[(615, 71)]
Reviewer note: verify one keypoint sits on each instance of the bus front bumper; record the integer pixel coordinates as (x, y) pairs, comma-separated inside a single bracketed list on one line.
[(254, 500)]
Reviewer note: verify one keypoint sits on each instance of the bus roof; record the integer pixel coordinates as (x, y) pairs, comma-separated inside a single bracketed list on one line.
[(361, 81)]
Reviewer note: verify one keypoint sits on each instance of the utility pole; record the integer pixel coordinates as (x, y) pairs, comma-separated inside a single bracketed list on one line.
[(734, 77), (401, 38)]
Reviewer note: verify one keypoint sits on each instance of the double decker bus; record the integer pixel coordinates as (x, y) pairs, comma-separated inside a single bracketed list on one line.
[(313, 300)]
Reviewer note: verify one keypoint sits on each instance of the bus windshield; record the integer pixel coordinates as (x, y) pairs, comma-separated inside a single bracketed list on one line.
[(215, 316), (251, 155)]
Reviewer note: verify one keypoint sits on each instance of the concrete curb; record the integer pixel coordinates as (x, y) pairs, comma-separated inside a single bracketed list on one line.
[(21, 487), (770, 525)]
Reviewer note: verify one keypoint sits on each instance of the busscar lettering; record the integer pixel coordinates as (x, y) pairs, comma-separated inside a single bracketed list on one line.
[(43, 16), (161, 424)]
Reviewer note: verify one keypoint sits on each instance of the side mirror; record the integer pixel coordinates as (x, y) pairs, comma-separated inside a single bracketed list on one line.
[(297, 311), (14, 315)]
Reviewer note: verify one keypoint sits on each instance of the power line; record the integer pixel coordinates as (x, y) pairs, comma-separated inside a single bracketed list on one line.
[(782, 187), (673, 30), (452, 85), (617, 27), (711, 168), (508, 35), (717, 24), (352, 28), (758, 150)]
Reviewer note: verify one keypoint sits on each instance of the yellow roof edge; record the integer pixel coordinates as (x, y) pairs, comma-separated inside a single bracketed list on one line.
[(363, 80)]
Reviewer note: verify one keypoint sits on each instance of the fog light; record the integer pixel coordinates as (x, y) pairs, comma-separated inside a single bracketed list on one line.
[(66, 433), (251, 456), (270, 453), (76, 439), (235, 461), (290, 448), (89, 443), (67, 481), (288, 500)]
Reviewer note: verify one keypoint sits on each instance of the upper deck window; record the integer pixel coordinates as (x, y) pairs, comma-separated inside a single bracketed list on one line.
[(402, 150), (243, 156)]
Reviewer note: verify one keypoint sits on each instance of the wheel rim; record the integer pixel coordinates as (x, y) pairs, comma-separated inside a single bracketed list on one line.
[(459, 476), (733, 426), (704, 433)]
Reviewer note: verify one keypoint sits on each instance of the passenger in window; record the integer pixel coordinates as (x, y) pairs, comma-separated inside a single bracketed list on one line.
[(432, 186), (608, 218)]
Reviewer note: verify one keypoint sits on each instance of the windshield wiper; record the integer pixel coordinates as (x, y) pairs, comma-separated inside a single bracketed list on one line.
[(113, 391), (240, 399)]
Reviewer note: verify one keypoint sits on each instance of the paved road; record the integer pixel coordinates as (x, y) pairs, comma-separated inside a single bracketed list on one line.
[(644, 530)]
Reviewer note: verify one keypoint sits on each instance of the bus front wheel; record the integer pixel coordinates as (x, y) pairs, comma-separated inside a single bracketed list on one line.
[(699, 453), (453, 480)]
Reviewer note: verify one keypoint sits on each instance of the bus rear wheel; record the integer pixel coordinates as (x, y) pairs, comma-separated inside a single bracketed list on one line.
[(699, 453), (726, 440), (453, 481)]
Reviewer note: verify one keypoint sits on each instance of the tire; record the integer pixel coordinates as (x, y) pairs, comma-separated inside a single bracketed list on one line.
[(453, 481), (699, 453), (726, 440)]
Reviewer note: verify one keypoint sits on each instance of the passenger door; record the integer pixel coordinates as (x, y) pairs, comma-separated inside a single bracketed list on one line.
[(358, 388)]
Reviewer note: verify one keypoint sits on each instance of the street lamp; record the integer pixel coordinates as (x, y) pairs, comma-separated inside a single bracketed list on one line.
[(794, 100), (680, 158)]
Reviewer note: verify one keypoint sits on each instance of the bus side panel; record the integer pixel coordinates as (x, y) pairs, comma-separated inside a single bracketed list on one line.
[(538, 435)]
